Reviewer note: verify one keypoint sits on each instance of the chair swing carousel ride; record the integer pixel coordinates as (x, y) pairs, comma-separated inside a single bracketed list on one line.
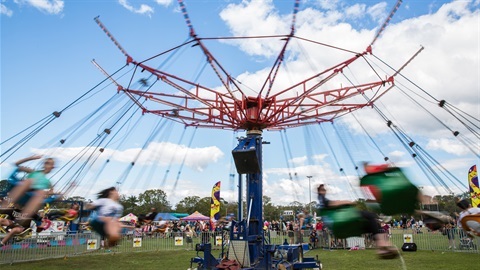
[(323, 95)]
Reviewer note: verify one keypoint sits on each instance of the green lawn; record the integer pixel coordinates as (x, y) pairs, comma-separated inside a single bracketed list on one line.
[(336, 259), (162, 253)]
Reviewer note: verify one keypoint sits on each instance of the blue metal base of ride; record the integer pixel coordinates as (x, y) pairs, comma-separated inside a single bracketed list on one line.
[(288, 257), (249, 245), (208, 261)]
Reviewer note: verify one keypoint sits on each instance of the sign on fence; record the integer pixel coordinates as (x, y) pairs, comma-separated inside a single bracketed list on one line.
[(407, 238), (356, 242), (218, 240), (137, 242), (178, 241), (92, 244), (288, 213)]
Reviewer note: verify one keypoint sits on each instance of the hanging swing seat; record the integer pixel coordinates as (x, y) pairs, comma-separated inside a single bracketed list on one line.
[(7, 213), (393, 190), (344, 221), (27, 233), (62, 215), (471, 224)]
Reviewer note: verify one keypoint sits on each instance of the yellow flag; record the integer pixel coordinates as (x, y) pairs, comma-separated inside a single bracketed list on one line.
[(474, 187)]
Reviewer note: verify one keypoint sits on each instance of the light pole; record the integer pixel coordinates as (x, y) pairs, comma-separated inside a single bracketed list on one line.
[(310, 193), (421, 200)]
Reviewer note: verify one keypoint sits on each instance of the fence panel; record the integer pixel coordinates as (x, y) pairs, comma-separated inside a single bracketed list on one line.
[(61, 245)]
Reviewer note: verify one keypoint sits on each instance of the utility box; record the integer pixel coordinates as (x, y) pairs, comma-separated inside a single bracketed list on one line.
[(245, 156)]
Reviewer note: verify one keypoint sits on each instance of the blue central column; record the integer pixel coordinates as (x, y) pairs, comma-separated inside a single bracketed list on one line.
[(254, 197), (248, 160)]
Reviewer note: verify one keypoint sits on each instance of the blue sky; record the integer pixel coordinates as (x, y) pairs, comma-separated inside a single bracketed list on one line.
[(47, 48)]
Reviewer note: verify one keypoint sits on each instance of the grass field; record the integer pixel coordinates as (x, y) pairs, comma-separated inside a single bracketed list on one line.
[(336, 259)]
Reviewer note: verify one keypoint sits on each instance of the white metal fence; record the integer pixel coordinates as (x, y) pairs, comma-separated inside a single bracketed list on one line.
[(59, 245)]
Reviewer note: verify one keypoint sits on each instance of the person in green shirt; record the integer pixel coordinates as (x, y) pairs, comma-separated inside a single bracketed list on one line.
[(36, 181)]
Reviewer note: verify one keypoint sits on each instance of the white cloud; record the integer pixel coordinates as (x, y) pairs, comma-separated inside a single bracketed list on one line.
[(165, 3), (328, 4), (356, 11), (397, 154), (432, 191), (378, 12), (160, 154), (257, 17), (5, 10), (48, 6), (143, 9), (319, 158), (450, 146), (299, 160)]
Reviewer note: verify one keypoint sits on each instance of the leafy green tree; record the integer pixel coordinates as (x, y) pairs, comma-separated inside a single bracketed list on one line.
[(203, 206), (446, 203), (270, 211), (156, 198), (130, 203), (296, 206), (229, 207), (187, 205)]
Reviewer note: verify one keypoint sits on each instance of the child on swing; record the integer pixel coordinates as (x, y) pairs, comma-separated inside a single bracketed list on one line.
[(108, 211), (36, 181), (385, 249), (469, 218)]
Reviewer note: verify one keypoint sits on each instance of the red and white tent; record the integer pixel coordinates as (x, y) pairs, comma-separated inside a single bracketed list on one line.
[(129, 218), (195, 217)]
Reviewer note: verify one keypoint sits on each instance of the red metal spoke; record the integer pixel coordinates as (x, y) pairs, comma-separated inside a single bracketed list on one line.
[(221, 73), (384, 25), (168, 79), (97, 20), (278, 62)]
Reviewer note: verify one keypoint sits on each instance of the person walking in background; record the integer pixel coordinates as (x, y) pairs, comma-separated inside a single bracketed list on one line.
[(404, 222), (313, 239), (449, 231), (189, 237), (304, 224), (290, 232)]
